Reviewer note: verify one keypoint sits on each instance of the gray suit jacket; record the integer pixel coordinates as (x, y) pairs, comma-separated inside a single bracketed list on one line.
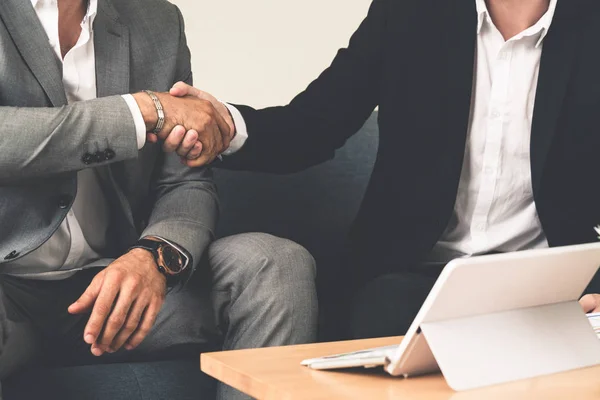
[(4, 325), (139, 44)]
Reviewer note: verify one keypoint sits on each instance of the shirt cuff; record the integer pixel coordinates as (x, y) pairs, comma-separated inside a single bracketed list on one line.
[(138, 120), (241, 131)]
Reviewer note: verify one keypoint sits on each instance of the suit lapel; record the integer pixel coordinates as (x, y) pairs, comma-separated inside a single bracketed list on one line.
[(460, 44), (558, 55), (29, 36), (111, 44), (111, 47)]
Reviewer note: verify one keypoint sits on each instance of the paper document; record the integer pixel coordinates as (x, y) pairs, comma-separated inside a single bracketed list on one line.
[(379, 352), (595, 321)]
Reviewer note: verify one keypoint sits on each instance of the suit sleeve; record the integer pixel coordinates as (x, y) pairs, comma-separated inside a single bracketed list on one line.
[(186, 205), (318, 121), (37, 142), (3, 323)]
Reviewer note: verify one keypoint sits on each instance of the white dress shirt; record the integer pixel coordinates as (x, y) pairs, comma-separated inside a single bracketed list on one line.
[(241, 134), (82, 236), (494, 209)]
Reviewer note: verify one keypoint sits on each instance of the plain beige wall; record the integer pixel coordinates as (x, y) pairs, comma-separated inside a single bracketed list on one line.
[(263, 52)]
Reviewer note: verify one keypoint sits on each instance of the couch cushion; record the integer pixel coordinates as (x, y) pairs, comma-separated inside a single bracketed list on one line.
[(164, 380), (314, 208)]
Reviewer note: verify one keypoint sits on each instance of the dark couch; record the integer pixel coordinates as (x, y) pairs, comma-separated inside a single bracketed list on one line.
[(314, 208)]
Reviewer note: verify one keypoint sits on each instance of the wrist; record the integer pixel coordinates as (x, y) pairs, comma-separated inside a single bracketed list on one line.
[(147, 261), (232, 126), (169, 259), (145, 256), (148, 110)]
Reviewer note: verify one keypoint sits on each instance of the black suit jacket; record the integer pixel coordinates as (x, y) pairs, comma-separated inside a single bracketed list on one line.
[(414, 59)]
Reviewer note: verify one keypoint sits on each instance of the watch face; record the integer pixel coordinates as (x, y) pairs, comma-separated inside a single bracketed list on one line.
[(172, 259)]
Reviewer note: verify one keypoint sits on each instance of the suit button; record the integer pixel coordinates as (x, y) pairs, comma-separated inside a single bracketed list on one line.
[(109, 154), (12, 255), (64, 201), (87, 158), (100, 157)]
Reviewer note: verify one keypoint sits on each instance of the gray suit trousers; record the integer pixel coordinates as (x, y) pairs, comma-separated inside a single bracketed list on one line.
[(254, 290)]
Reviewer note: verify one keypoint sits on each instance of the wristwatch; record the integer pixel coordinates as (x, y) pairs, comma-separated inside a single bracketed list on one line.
[(172, 261)]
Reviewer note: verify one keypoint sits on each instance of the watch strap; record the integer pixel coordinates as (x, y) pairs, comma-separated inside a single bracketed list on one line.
[(152, 245), (147, 244)]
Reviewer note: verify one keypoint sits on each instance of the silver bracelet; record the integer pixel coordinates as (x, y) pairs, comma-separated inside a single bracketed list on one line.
[(159, 110)]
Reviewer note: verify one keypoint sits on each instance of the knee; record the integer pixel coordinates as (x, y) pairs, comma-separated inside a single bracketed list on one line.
[(274, 278), (265, 254), (287, 258), (271, 259)]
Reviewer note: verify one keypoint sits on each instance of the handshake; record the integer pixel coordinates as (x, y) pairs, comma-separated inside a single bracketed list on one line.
[(197, 126)]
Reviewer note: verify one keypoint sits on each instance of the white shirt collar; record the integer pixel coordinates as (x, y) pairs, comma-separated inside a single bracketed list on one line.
[(541, 27), (90, 14), (93, 10)]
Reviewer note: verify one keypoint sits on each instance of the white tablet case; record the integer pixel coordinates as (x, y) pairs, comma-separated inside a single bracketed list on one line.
[(502, 318)]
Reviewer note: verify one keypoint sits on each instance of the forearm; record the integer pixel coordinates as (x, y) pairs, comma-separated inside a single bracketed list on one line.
[(277, 144), (185, 202), (36, 142), (185, 207)]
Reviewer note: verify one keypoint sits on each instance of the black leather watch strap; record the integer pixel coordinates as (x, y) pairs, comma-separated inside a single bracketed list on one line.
[(173, 278), (150, 245)]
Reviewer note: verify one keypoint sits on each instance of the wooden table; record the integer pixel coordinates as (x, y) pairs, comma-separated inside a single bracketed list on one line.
[(276, 374)]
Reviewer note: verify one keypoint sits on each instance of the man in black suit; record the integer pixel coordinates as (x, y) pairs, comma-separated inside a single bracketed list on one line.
[(489, 139)]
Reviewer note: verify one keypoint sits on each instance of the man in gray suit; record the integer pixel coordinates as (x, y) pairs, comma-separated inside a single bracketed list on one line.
[(97, 223)]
